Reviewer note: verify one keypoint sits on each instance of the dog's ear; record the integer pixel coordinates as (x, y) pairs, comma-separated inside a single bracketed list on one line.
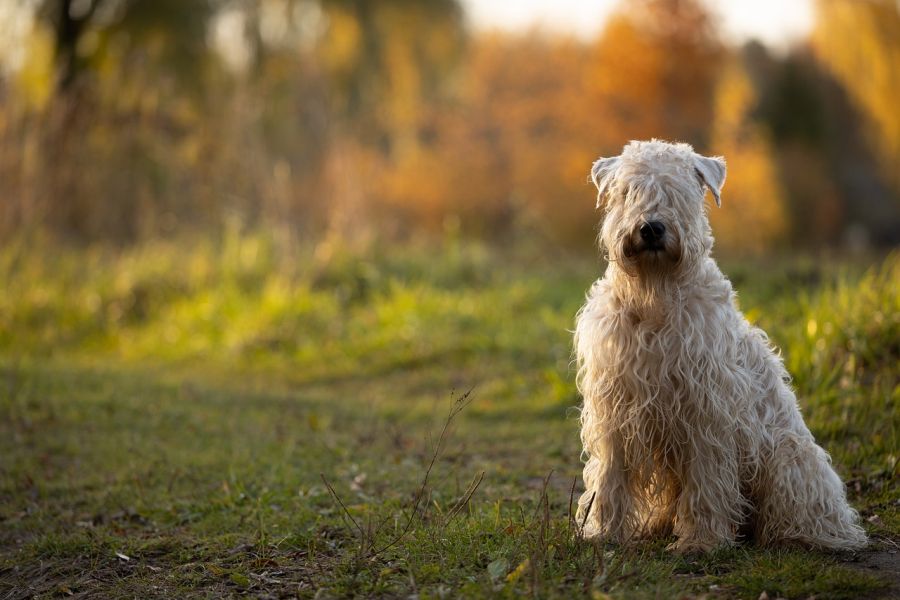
[(602, 174), (711, 172)]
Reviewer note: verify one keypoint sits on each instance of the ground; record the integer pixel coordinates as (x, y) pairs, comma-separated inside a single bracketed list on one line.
[(211, 421)]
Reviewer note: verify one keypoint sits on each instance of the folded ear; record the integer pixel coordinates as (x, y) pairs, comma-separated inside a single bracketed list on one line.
[(602, 174), (711, 172)]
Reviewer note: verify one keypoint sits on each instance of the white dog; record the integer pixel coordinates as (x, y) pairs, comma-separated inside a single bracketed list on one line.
[(689, 423)]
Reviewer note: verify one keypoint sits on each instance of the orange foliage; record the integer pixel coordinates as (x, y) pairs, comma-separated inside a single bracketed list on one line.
[(533, 112), (459, 174), (512, 145), (654, 70), (358, 118)]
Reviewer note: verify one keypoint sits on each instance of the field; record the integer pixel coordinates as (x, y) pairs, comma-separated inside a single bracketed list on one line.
[(214, 419)]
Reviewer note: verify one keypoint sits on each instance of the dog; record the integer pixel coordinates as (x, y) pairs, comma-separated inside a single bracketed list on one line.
[(689, 424)]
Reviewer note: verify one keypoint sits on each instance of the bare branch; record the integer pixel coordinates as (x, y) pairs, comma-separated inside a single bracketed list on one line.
[(457, 407), (343, 506)]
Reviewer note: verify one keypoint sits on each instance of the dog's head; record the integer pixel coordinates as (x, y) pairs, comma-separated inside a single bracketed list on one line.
[(652, 197)]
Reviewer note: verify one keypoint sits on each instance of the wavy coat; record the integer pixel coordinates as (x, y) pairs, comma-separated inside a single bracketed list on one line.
[(689, 423)]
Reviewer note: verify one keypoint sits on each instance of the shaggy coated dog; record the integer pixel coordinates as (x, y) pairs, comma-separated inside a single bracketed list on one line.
[(689, 423)]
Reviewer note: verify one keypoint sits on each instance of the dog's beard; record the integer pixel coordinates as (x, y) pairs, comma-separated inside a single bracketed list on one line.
[(658, 258)]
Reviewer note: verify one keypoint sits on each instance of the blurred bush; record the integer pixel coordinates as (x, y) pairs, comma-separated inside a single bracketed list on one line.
[(127, 120)]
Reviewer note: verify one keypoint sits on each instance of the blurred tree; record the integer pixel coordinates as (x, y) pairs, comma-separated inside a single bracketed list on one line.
[(68, 20), (792, 105), (127, 81), (512, 151), (143, 117), (389, 68), (859, 41), (654, 70), (146, 126), (83, 30), (386, 60), (792, 109), (537, 110), (527, 93), (753, 218), (831, 178)]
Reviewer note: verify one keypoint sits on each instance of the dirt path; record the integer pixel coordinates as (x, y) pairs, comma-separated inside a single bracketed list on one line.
[(883, 561)]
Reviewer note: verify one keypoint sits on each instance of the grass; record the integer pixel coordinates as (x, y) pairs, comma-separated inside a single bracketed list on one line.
[(212, 419)]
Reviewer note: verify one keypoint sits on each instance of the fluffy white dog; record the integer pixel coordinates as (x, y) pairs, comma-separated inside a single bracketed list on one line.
[(689, 423)]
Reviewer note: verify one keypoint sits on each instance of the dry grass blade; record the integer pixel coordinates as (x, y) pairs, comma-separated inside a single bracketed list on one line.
[(542, 499), (457, 407), (571, 516), (346, 511), (464, 501), (587, 513)]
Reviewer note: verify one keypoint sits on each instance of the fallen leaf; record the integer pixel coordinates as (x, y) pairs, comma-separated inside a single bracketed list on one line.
[(518, 571), (498, 568)]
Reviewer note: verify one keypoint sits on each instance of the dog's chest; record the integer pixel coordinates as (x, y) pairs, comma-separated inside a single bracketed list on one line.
[(660, 356)]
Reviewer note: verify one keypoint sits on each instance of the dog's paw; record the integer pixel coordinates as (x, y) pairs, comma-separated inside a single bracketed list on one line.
[(602, 532), (591, 530), (693, 546)]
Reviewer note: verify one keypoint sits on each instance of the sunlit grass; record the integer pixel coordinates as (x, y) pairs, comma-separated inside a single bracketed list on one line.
[(176, 403)]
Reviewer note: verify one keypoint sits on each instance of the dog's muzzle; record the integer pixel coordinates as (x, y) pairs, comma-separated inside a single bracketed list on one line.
[(650, 237), (653, 235)]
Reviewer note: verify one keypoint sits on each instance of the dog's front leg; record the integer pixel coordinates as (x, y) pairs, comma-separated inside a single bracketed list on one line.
[(710, 506), (606, 509)]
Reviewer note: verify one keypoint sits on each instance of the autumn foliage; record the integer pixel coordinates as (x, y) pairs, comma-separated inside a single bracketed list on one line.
[(348, 119)]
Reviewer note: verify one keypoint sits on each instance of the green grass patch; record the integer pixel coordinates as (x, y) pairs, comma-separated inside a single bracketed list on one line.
[(167, 415)]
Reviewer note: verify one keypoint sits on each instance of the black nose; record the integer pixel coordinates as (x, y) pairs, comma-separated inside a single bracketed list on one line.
[(652, 231)]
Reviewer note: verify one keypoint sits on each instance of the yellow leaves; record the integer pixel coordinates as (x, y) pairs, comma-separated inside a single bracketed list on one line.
[(520, 570), (860, 44), (341, 47), (753, 217), (36, 77), (497, 570), (734, 100)]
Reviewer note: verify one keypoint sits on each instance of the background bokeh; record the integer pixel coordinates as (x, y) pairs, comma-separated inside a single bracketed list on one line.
[(352, 122), (251, 251)]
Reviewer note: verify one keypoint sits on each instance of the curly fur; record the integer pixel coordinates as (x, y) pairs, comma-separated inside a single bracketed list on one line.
[(689, 423)]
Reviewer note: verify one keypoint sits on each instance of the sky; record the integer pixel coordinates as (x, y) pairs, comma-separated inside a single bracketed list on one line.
[(777, 23)]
